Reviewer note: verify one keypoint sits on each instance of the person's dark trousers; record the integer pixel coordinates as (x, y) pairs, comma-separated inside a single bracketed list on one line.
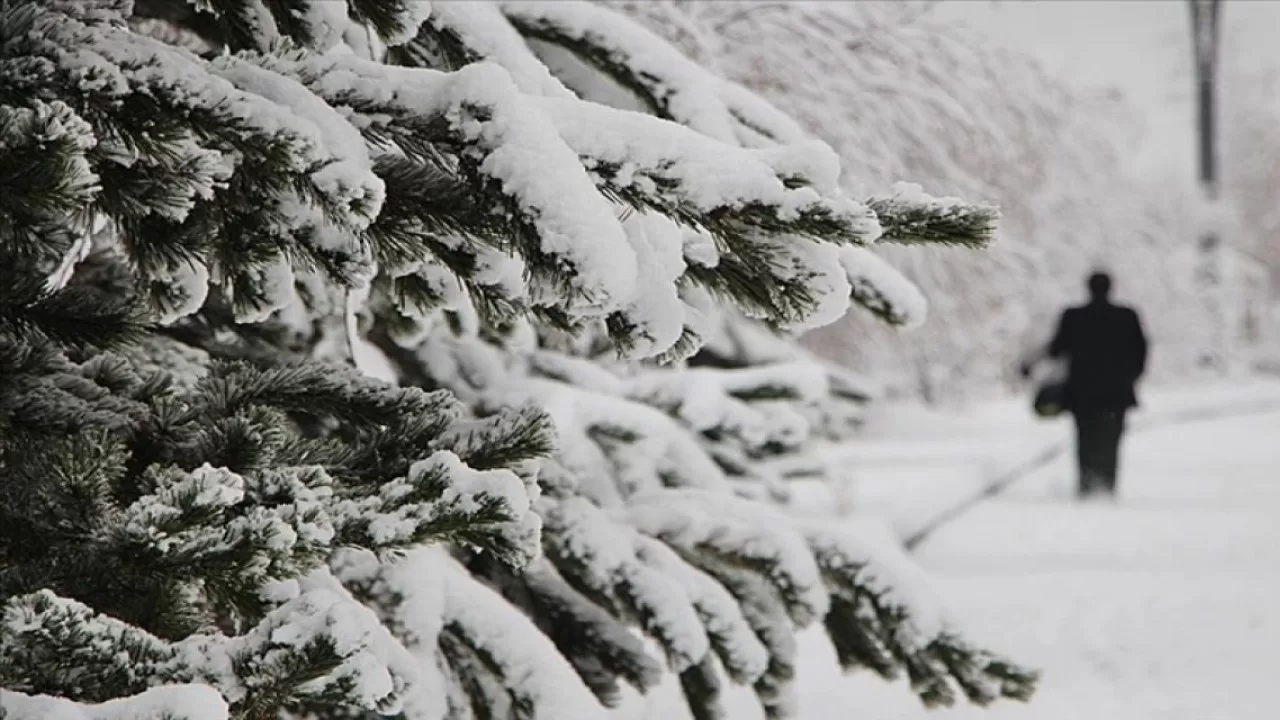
[(1098, 434)]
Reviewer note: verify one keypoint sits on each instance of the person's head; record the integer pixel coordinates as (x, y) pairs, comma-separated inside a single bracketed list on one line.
[(1100, 286)]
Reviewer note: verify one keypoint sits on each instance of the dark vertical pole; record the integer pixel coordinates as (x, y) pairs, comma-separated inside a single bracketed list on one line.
[(1204, 21), (1204, 35)]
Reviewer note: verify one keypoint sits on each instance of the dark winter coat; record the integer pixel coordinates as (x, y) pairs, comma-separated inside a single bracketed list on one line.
[(1106, 352)]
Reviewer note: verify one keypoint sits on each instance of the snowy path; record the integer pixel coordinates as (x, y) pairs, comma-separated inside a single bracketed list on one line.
[(1164, 605)]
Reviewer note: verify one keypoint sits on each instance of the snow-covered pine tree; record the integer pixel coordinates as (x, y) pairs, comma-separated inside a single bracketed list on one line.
[(206, 209), (763, 406)]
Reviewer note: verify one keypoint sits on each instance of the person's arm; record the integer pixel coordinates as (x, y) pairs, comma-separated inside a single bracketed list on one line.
[(1140, 349), (1056, 348), (1062, 339)]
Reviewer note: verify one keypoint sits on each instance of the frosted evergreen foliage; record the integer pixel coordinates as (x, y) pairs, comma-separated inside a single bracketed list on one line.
[(358, 359), (150, 531)]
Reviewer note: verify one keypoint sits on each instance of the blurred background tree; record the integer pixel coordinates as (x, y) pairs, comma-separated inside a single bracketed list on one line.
[(905, 90)]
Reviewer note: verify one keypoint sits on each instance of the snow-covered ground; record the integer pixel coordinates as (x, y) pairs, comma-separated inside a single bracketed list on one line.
[(1162, 605), (912, 463)]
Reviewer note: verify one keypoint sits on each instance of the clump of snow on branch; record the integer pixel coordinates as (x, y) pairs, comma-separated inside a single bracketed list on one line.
[(682, 89), (882, 289), (484, 30), (708, 175), (168, 702)]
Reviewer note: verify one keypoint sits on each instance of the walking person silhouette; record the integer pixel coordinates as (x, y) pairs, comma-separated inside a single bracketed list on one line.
[(1105, 350)]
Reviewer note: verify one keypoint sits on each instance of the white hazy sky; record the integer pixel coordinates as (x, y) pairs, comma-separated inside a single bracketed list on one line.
[(1142, 47)]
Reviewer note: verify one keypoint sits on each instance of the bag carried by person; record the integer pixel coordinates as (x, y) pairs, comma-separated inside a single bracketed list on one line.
[(1050, 399)]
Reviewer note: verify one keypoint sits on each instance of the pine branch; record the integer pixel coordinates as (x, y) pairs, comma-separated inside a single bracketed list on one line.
[(500, 642), (575, 536), (602, 650), (765, 611), (481, 685), (633, 57), (74, 317), (199, 172), (667, 83), (46, 184), (701, 687), (186, 522), (431, 213), (324, 391), (396, 21), (501, 440), (909, 217), (185, 15), (430, 111), (435, 47), (740, 532), (875, 624)]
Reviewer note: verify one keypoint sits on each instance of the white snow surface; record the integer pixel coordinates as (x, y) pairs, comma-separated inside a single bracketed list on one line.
[(483, 28), (656, 310), (411, 590), (711, 174), (830, 283), (533, 670), (175, 702), (1160, 605), (190, 283), (882, 287), (688, 90), (689, 93)]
